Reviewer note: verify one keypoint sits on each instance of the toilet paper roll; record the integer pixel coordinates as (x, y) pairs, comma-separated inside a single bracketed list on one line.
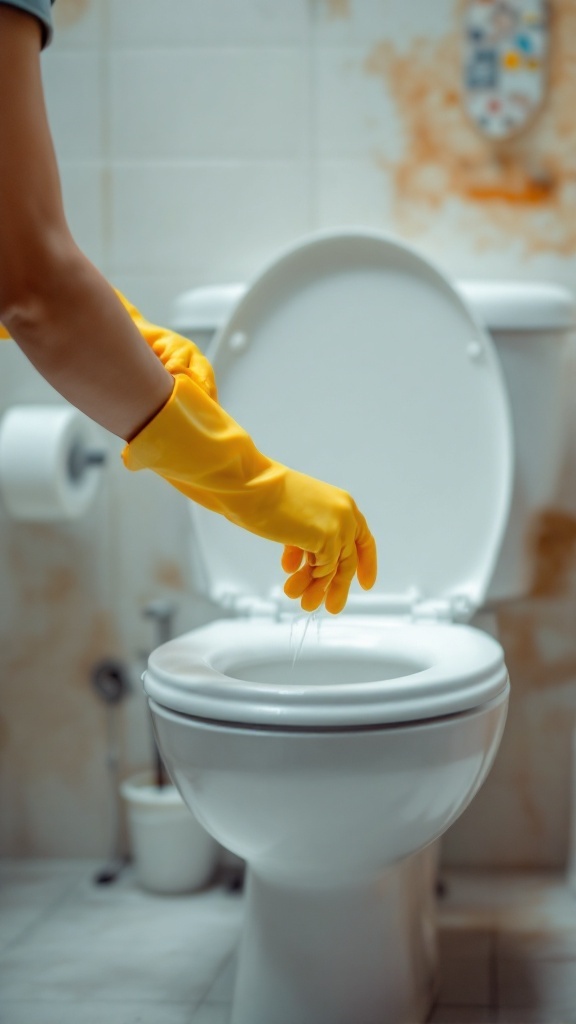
[(47, 463)]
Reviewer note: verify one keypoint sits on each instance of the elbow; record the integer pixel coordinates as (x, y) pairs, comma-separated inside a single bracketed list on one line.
[(29, 288)]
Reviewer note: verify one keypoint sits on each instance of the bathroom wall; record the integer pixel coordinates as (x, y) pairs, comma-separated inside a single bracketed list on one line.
[(194, 140)]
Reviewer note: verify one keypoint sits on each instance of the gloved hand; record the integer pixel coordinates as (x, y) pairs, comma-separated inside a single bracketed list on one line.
[(198, 448), (4, 336), (178, 354)]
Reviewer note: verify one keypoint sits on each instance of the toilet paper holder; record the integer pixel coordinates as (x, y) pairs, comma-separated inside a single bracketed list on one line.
[(82, 458), (50, 462)]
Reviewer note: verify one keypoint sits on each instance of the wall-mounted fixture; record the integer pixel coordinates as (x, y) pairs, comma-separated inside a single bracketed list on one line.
[(506, 47)]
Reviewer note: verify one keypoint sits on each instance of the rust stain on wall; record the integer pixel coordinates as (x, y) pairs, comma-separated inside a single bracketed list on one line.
[(338, 8), (169, 574), (68, 12), (56, 726), (524, 189), (553, 551)]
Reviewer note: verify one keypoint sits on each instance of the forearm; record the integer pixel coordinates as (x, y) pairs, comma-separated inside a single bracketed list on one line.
[(54, 303), (75, 331)]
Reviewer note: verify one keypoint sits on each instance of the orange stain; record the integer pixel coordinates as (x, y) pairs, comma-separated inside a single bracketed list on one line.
[(338, 8), (523, 189), (68, 12), (553, 551)]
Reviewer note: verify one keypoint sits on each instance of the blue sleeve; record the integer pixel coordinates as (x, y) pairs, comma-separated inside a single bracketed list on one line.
[(42, 10)]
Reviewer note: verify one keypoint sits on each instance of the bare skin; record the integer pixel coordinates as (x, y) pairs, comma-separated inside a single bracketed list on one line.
[(54, 303)]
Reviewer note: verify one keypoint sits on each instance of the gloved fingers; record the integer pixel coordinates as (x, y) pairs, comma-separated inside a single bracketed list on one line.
[(367, 555), (297, 583), (174, 368), (314, 594), (207, 383), (320, 572), (337, 592), (291, 558), (172, 347), (4, 333)]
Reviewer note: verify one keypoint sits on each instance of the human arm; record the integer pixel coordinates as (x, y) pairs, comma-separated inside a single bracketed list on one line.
[(75, 330), (55, 304), (195, 445)]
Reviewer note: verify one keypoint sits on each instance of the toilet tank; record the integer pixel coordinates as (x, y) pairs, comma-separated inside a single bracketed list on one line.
[(531, 324)]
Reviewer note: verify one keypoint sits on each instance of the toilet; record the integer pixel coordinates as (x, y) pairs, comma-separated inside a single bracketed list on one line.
[(332, 752)]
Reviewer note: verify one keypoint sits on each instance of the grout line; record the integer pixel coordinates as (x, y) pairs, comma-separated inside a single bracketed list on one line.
[(43, 917), (223, 967)]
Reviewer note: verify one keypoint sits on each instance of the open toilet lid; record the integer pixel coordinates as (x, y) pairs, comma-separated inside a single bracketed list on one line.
[(353, 359)]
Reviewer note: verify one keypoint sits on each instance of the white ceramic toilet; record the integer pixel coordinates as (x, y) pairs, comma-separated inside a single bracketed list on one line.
[(331, 761)]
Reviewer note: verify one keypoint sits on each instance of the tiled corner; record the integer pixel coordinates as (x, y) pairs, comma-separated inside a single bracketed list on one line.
[(466, 968)]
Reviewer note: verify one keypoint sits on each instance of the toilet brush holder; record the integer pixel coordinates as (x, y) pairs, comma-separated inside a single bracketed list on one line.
[(172, 852)]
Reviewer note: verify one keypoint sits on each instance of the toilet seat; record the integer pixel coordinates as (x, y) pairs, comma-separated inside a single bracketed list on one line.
[(353, 359), (243, 671), (397, 413)]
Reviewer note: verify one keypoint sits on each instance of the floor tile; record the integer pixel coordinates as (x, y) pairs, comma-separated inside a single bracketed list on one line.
[(119, 944), (223, 987), (465, 958), (462, 1015), (543, 985), (113, 915), (544, 944), (509, 1015), (29, 890), (26, 1012), (507, 901), (212, 1014)]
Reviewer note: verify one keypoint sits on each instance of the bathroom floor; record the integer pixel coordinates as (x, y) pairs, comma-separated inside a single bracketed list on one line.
[(75, 953)]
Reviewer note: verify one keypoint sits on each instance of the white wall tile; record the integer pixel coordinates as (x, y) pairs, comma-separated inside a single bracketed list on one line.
[(141, 23), (351, 192), (216, 104), (154, 293), (338, 22), (72, 83), (510, 825), (82, 187), (225, 218), (354, 115), (78, 24)]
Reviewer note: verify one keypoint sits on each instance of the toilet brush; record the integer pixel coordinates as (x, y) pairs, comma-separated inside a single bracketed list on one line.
[(162, 613), (110, 681)]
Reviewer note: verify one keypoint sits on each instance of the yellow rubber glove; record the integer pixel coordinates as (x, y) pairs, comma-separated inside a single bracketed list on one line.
[(4, 336), (178, 354), (198, 448)]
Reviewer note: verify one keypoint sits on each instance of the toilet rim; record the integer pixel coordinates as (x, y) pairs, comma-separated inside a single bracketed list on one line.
[(408, 671)]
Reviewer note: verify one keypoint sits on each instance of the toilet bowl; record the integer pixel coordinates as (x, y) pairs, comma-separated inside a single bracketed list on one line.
[(304, 771), (331, 765)]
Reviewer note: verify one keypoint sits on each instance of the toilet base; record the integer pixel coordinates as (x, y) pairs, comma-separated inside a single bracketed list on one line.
[(340, 952)]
